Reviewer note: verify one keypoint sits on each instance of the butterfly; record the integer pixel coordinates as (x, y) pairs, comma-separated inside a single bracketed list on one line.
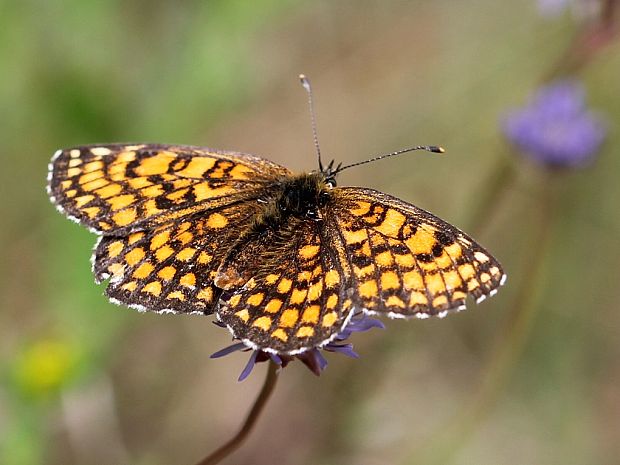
[(284, 260)]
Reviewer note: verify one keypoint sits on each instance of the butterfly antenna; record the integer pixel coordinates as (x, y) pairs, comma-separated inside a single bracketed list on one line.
[(428, 148), (306, 83)]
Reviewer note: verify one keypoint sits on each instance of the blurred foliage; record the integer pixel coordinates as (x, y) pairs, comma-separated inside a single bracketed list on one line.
[(84, 382)]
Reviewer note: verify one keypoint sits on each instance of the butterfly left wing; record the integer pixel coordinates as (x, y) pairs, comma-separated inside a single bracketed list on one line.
[(295, 295), (167, 215), (405, 261)]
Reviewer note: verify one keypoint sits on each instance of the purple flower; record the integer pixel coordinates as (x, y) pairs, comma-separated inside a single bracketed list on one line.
[(555, 128), (581, 9), (312, 358), (552, 8)]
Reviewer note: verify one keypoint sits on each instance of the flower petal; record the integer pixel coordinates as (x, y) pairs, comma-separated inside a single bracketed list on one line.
[(229, 350), (249, 366)]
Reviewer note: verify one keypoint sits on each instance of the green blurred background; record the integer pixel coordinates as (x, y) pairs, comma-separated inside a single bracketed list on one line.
[(530, 377)]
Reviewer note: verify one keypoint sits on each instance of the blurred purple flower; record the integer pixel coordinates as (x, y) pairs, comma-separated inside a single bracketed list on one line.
[(312, 358), (552, 8), (581, 9), (556, 128)]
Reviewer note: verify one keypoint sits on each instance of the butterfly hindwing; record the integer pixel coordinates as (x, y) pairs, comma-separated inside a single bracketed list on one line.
[(297, 296), (122, 187), (170, 268), (405, 261)]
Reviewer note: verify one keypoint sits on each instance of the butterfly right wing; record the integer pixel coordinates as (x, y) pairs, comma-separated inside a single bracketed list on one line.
[(121, 187)]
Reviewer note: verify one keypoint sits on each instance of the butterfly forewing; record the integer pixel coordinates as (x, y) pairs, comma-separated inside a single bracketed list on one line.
[(405, 261), (122, 187)]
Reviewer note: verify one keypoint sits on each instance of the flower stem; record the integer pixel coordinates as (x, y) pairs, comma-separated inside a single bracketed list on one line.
[(490, 202), (235, 442), (589, 40)]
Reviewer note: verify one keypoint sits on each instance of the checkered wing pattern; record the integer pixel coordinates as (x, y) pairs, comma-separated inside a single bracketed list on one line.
[(403, 260), (297, 296), (120, 188)]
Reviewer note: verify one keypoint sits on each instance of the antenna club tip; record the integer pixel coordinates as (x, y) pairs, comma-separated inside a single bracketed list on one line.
[(437, 149), (304, 82)]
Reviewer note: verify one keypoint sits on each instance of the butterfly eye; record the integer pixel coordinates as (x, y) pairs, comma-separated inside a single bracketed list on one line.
[(324, 198)]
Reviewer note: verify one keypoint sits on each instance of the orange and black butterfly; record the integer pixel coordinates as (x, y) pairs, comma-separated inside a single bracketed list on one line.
[(282, 259)]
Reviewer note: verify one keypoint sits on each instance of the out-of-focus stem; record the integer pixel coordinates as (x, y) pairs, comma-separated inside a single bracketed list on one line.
[(609, 10), (589, 40), (508, 347), (497, 184)]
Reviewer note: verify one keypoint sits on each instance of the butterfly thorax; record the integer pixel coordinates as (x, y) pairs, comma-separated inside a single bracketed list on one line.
[(302, 196)]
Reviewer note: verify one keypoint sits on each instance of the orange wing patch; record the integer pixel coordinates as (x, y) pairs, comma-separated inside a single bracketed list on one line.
[(405, 261)]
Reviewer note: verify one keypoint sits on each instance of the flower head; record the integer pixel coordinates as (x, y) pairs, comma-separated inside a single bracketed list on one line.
[(556, 128), (45, 366), (312, 358)]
